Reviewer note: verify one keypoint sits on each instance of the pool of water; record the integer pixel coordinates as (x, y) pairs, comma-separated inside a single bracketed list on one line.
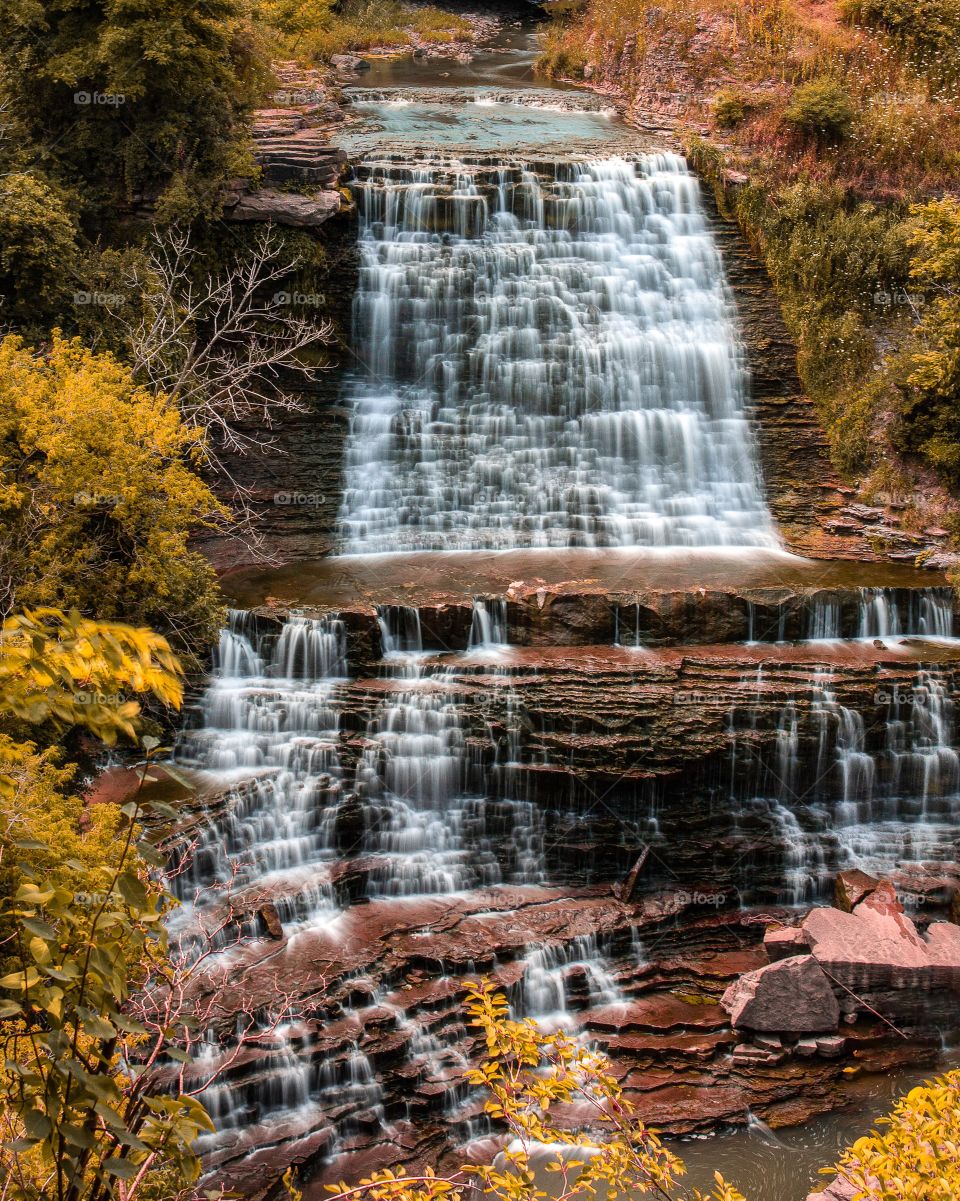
[(478, 123), (784, 1165)]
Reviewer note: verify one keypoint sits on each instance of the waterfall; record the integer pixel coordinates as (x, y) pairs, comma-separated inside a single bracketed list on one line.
[(548, 361), (840, 794)]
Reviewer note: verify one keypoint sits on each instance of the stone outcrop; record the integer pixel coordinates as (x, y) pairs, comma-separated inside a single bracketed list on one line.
[(870, 962), (285, 208), (791, 996)]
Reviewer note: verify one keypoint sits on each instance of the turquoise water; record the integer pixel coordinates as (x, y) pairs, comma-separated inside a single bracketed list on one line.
[(480, 124)]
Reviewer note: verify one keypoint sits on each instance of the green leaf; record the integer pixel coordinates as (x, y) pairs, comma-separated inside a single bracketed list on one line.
[(31, 844), (121, 1167), (41, 929), (132, 890), (36, 1124), (9, 1009)]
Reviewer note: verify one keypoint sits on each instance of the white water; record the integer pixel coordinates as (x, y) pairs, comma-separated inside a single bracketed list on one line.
[(546, 362)]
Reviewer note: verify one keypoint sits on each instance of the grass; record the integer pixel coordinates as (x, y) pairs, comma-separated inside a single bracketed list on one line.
[(315, 31)]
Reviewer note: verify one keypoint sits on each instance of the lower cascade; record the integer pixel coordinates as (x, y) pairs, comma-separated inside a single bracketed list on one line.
[(462, 788), (548, 359)]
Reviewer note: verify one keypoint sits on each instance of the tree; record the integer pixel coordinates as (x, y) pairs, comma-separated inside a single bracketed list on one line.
[(138, 97), (226, 346), (38, 250), (99, 493), (930, 407)]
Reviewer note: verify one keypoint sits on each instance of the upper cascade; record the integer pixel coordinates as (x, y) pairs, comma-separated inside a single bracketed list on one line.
[(549, 359)]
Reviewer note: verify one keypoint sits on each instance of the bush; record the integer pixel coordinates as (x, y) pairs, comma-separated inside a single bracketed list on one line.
[(101, 495), (729, 109), (927, 30), (38, 251), (822, 109)]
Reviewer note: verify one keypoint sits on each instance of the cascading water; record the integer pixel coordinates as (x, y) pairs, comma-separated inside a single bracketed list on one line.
[(549, 361), (841, 795)]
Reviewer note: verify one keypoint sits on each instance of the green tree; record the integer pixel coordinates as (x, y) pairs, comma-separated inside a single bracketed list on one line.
[(930, 408), (123, 98), (38, 251)]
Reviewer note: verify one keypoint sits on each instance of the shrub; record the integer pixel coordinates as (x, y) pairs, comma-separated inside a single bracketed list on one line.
[(101, 495), (729, 109), (38, 251), (822, 109)]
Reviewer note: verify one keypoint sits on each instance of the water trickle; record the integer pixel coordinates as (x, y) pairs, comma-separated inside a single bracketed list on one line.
[(550, 361), (488, 628)]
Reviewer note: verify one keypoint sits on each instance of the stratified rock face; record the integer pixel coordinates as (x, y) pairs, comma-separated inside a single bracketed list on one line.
[(791, 996)]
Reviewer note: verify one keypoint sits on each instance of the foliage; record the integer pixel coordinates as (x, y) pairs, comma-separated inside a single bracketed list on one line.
[(928, 30), (318, 29), (530, 1076), (916, 1154), (930, 417), (98, 495), (37, 250), (729, 108), (69, 670), (147, 96), (82, 1119), (821, 108)]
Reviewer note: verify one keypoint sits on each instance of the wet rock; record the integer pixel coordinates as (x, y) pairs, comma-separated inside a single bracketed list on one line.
[(349, 62), (783, 942), (790, 996)]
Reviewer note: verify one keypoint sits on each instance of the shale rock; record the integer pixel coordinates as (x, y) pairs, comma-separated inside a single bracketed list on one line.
[(790, 996)]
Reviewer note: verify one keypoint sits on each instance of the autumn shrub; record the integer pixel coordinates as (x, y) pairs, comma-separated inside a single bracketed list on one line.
[(729, 108), (822, 109), (100, 495)]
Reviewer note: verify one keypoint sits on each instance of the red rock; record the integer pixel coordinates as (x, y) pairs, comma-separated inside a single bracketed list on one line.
[(271, 920), (852, 887), (783, 942), (790, 996)]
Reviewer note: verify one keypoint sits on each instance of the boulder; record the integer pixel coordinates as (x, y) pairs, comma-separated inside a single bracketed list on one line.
[(850, 888), (790, 996), (783, 942), (349, 62), (270, 917), (285, 208)]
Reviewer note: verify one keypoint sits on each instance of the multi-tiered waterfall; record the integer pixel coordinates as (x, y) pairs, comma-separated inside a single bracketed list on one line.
[(593, 784), (547, 358)]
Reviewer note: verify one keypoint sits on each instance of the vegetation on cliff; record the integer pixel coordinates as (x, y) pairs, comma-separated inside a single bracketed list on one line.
[(831, 133)]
